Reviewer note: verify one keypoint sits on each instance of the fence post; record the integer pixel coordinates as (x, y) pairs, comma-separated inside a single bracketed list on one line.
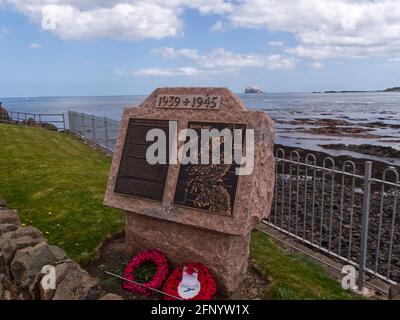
[(364, 224), (83, 126), (64, 126), (70, 125), (106, 131), (94, 128)]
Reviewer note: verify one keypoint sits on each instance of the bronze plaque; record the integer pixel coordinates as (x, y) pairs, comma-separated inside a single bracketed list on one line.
[(136, 177), (209, 187)]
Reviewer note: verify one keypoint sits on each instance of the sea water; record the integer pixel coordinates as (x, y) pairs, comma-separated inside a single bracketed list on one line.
[(357, 108)]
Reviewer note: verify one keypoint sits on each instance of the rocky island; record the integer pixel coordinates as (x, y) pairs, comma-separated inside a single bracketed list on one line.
[(253, 89)]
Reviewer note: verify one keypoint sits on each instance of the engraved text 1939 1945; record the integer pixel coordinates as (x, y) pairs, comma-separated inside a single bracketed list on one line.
[(199, 102)]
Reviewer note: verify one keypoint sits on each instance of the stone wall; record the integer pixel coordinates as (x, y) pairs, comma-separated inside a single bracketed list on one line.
[(23, 254)]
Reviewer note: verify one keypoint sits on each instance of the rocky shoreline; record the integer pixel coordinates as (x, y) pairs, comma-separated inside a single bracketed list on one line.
[(338, 127), (380, 138), (367, 149)]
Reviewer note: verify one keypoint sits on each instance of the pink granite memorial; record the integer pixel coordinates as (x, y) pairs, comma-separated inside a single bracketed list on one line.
[(193, 212)]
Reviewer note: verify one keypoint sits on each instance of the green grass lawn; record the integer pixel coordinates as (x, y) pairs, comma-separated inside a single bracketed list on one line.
[(57, 184), (292, 276)]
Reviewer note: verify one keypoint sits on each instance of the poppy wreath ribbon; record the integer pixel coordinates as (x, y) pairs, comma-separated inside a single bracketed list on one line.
[(149, 255), (208, 287)]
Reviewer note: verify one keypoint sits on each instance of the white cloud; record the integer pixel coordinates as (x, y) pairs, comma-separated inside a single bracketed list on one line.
[(215, 62), (116, 19), (122, 21), (276, 43), (326, 28), (181, 53), (220, 26), (223, 59), (396, 59), (317, 65), (160, 72), (35, 46)]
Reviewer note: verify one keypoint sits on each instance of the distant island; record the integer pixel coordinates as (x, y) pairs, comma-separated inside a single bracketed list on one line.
[(253, 89), (394, 89), (346, 91)]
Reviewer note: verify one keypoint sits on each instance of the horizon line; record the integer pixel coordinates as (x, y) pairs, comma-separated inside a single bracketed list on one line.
[(238, 93)]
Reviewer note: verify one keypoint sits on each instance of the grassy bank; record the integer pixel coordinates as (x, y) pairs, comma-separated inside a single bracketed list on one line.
[(292, 276), (57, 184)]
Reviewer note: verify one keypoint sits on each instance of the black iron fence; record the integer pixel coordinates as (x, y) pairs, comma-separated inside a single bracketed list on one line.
[(345, 212)]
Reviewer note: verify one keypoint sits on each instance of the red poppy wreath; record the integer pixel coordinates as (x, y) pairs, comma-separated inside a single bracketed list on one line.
[(192, 282), (149, 255)]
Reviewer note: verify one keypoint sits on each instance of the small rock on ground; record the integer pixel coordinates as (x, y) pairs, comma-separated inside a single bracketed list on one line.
[(3, 203), (112, 296), (9, 216)]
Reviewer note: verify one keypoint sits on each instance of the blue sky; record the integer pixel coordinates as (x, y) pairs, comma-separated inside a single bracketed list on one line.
[(132, 47)]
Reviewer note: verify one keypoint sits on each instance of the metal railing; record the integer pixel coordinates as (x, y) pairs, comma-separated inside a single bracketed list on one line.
[(15, 117), (348, 213), (100, 130)]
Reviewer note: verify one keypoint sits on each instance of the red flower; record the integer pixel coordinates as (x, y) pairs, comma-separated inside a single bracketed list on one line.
[(155, 256), (208, 287)]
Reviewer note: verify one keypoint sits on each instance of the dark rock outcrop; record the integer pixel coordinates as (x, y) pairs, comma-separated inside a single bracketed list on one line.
[(48, 126), (253, 90), (373, 150), (394, 89), (4, 116), (45, 125)]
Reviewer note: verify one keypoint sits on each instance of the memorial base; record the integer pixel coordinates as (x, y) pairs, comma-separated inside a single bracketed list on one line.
[(225, 255)]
